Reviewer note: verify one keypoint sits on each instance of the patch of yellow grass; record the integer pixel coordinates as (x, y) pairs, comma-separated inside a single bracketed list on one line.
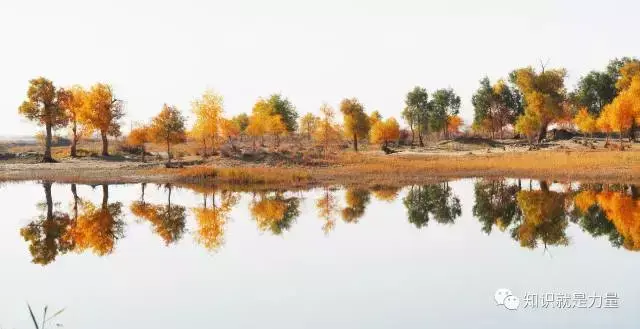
[(243, 176), (604, 163)]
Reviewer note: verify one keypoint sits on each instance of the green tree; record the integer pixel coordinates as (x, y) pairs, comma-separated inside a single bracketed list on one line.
[(282, 106), (416, 112), (356, 121), (594, 91), (168, 127), (242, 120), (444, 104), (496, 106), (42, 107)]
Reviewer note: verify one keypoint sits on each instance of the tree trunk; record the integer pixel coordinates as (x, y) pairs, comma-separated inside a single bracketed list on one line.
[(542, 133), (47, 194), (413, 134), (355, 142), (420, 138), (74, 191), (105, 196), (168, 151), (204, 146), (74, 140), (47, 145), (105, 144), (544, 186), (621, 145), (144, 152), (143, 185), (632, 132)]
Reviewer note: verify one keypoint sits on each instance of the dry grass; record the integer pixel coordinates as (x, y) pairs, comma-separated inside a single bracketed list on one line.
[(565, 164), (350, 168), (347, 168), (242, 176)]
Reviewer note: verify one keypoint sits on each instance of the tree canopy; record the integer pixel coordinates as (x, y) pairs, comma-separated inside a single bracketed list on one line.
[(356, 121)]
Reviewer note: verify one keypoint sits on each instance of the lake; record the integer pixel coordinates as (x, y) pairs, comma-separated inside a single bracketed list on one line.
[(428, 256)]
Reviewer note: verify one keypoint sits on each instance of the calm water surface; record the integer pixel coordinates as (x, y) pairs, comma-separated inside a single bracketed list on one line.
[(149, 256)]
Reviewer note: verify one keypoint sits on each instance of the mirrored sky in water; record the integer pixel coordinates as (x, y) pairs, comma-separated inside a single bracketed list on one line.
[(418, 257)]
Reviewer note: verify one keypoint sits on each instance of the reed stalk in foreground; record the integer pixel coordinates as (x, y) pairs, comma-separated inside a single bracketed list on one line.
[(45, 319)]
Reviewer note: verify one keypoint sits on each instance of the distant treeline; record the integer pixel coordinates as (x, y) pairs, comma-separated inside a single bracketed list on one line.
[(526, 103)]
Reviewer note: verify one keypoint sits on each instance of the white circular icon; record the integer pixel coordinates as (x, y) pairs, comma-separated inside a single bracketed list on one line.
[(501, 295), (511, 302)]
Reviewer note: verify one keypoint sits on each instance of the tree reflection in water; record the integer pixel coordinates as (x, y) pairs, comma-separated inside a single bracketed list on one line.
[(211, 219), (274, 212), (327, 206), (435, 200), (168, 220), (357, 201), (532, 217), (97, 228), (47, 235)]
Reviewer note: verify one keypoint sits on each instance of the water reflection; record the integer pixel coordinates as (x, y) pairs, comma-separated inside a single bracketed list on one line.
[(211, 219), (436, 200), (168, 220), (537, 215), (97, 228), (47, 235), (274, 212)]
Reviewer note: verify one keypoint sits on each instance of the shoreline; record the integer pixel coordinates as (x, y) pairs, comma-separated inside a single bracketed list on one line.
[(351, 169)]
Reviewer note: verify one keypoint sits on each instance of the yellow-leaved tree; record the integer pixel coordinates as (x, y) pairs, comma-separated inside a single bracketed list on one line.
[(72, 101), (208, 110), (585, 122), (139, 137), (265, 119), (385, 131), (326, 133), (356, 121), (623, 113), (168, 127), (229, 129), (102, 110), (454, 122), (528, 124), (276, 126), (544, 94), (620, 115), (308, 124), (42, 106)]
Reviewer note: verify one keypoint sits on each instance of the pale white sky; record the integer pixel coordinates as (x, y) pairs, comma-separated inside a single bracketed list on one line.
[(154, 52)]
